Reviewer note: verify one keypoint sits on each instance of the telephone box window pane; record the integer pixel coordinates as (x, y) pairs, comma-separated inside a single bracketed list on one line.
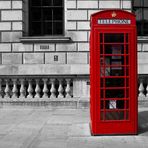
[(101, 49), (101, 37), (126, 38), (102, 93), (118, 71), (102, 82), (114, 115), (127, 93), (114, 82), (113, 38), (114, 49), (114, 93)]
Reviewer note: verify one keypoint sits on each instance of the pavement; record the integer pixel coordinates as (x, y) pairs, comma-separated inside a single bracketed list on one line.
[(44, 127)]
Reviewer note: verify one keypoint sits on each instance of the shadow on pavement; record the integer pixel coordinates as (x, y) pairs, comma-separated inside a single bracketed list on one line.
[(143, 122)]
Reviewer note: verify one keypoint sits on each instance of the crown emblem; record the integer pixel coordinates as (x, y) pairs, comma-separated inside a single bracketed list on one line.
[(114, 14)]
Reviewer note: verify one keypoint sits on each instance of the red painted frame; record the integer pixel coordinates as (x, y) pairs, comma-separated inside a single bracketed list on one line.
[(101, 125)]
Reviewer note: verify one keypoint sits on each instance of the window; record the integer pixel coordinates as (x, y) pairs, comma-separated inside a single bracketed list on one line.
[(140, 8), (46, 17)]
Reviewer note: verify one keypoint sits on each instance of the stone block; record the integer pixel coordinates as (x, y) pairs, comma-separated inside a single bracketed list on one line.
[(71, 25), (142, 57), (127, 4), (83, 25), (55, 58), (90, 12), (109, 4), (10, 36), (11, 58), (5, 47), (0, 58), (76, 58), (71, 4), (16, 4), (11, 15), (78, 35), (19, 47), (5, 4), (87, 4), (144, 47), (83, 46), (33, 58), (77, 15), (5, 26), (17, 26), (44, 47), (66, 47)]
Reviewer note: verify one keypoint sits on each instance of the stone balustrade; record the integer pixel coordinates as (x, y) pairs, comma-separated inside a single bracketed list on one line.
[(35, 88)]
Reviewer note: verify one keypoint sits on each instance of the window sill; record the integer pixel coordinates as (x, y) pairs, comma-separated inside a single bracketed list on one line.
[(48, 39), (142, 39)]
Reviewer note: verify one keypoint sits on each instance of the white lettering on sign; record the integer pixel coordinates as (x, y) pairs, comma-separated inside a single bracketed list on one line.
[(114, 21)]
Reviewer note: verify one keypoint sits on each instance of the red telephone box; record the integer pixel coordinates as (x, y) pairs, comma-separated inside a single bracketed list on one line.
[(113, 73)]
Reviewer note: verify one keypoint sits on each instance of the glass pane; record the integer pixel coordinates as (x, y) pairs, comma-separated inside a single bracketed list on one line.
[(146, 14), (47, 2), (58, 2), (145, 3), (114, 93), (58, 13), (114, 49), (36, 28), (47, 14), (101, 37), (114, 104), (36, 14), (145, 28), (101, 49), (113, 38), (114, 82), (57, 28), (102, 82), (47, 28), (36, 2), (137, 2), (114, 115), (138, 13)]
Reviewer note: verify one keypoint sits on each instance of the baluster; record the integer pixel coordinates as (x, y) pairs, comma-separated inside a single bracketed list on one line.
[(45, 89), (30, 89), (68, 89), (141, 91), (60, 89), (7, 89), (1, 91), (52, 90), (22, 89), (14, 89), (37, 89)]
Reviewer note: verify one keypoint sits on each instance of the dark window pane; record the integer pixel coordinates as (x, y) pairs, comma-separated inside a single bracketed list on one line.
[(139, 28), (137, 2), (35, 2), (36, 28), (57, 14), (114, 82), (47, 14), (48, 28), (57, 3), (145, 14), (114, 93), (57, 28), (47, 2), (111, 38), (146, 28), (145, 3), (36, 14), (114, 115)]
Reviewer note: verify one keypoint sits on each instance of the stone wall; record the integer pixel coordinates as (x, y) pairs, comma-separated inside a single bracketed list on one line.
[(24, 54)]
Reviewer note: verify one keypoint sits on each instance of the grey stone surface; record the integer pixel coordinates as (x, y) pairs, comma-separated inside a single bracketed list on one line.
[(44, 127)]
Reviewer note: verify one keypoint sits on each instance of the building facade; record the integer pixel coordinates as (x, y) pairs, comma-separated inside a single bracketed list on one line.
[(44, 48)]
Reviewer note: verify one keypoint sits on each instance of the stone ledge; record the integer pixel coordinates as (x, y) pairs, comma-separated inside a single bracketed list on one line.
[(44, 69), (55, 102)]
